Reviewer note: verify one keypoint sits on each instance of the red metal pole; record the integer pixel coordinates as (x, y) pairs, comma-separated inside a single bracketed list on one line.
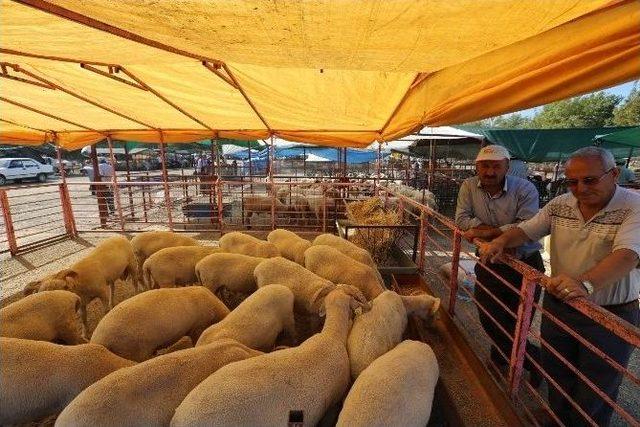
[(144, 197), (63, 173), (8, 223), (116, 190), (455, 265), (215, 166), (273, 206), (516, 361), (67, 213), (165, 180)]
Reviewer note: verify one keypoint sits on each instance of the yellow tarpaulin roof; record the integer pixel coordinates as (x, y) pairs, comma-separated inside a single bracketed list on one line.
[(331, 72)]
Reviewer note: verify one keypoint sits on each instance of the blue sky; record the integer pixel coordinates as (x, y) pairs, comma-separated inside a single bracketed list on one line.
[(622, 90)]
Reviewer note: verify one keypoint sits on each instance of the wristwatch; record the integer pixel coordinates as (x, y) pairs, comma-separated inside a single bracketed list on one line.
[(588, 286)]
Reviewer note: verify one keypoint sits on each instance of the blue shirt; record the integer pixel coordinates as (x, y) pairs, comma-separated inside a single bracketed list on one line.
[(518, 201)]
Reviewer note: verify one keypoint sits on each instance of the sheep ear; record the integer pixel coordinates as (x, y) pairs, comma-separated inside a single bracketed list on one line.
[(67, 275)]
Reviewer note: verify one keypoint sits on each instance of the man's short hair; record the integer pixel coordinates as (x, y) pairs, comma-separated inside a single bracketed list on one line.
[(605, 156)]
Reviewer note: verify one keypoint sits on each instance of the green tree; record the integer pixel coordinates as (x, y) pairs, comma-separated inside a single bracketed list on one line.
[(628, 112), (594, 110), (512, 121)]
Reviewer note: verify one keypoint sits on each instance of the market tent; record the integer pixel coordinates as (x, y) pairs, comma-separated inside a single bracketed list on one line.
[(627, 137), (544, 145), (447, 142), (324, 72)]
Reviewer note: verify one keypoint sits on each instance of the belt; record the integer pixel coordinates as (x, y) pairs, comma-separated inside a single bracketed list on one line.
[(628, 304)]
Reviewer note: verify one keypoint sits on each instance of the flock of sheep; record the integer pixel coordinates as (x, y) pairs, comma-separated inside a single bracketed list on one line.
[(236, 373)]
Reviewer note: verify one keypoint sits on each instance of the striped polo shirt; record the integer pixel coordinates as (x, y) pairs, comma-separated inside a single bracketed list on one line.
[(578, 245)]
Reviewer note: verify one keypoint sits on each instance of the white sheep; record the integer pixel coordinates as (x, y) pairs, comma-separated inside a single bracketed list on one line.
[(147, 394), (290, 245), (232, 271), (333, 265), (350, 249), (38, 378), (395, 390), (45, 316), (240, 243), (94, 276), (148, 243), (309, 289), (175, 266), (136, 328), (257, 204), (381, 328), (257, 321), (262, 390)]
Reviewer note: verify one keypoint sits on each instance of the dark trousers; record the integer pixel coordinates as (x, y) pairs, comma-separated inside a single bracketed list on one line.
[(593, 367), (510, 299)]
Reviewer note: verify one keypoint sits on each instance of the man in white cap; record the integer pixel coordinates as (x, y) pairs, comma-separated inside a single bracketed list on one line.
[(489, 204)]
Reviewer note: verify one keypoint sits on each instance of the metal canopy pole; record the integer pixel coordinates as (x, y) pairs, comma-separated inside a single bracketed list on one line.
[(116, 190), (65, 200), (102, 207), (128, 176), (165, 180), (271, 184), (304, 161), (432, 163)]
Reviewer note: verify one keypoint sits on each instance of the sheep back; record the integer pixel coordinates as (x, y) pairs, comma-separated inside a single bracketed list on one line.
[(308, 288), (257, 321), (148, 243), (395, 390), (38, 378), (376, 332), (233, 271), (45, 316), (152, 320), (133, 394), (290, 245), (333, 265), (175, 266), (240, 243)]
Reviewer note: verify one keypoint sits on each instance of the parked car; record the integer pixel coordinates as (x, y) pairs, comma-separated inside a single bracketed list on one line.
[(18, 169), (68, 165)]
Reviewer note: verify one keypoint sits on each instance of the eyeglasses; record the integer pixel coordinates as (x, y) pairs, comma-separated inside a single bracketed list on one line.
[(588, 181)]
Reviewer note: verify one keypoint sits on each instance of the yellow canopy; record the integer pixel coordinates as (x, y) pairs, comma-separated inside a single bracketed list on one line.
[(331, 72)]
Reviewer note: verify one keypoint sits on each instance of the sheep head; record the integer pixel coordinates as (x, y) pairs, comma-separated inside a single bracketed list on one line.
[(422, 305), (66, 280)]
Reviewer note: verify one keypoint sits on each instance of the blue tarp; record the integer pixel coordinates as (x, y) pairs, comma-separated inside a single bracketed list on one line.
[(353, 156)]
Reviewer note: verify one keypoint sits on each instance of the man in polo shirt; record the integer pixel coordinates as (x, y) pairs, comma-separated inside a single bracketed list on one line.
[(489, 204), (595, 247)]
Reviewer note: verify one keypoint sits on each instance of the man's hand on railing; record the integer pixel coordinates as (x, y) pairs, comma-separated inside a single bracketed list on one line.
[(490, 251), (565, 287)]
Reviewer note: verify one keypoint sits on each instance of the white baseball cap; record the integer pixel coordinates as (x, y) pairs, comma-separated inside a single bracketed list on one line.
[(493, 152)]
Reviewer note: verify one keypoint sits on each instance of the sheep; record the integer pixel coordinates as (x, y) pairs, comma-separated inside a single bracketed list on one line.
[(38, 378), (240, 243), (175, 266), (257, 321), (256, 204), (232, 271), (396, 390), (380, 329), (262, 390), (94, 275), (148, 243), (147, 394), (333, 265), (309, 289), (290, 245), (136, 328), (45, 316), (350, 249)]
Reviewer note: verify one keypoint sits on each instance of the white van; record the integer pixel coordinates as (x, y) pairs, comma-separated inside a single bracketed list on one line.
[(17, 169)]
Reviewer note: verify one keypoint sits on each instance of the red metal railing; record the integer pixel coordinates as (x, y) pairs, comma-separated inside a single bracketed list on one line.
[(440, 240)]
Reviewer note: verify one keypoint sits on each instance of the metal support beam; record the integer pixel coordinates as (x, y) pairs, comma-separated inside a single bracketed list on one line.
[(246, 97), (26, 107), (165, 180), (97, 188), (116, 190)]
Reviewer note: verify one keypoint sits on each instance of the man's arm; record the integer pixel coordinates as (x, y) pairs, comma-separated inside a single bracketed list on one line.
[(532, 229), (528, 205), (607, 272)]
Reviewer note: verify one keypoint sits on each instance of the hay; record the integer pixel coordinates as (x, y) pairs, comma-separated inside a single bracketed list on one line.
[(378, 241)]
